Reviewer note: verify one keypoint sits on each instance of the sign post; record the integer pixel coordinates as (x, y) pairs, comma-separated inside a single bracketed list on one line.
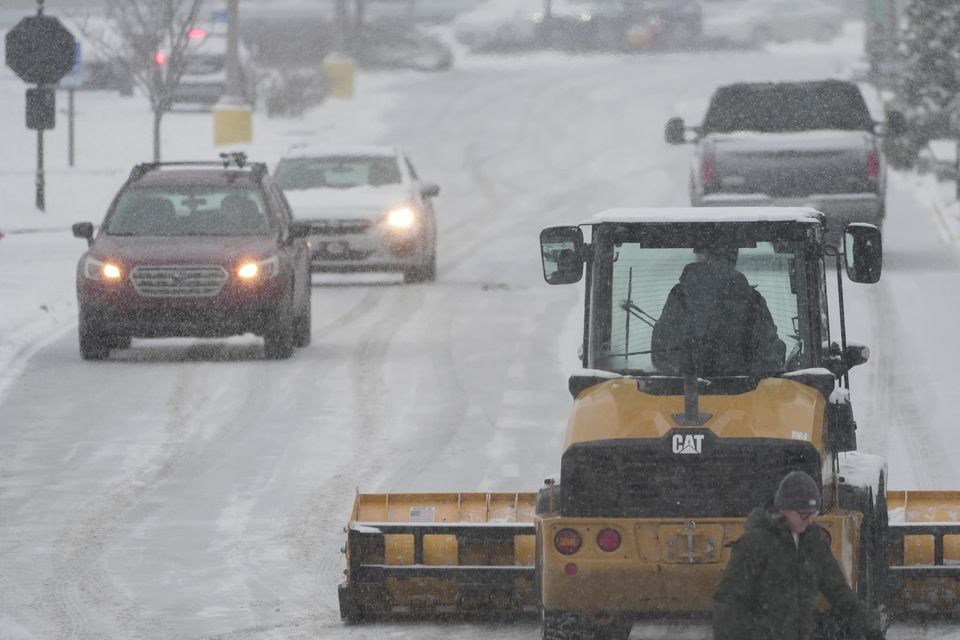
[(40, 50)]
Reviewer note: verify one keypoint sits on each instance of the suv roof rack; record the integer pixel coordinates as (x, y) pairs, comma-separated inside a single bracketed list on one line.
[(236, 158)]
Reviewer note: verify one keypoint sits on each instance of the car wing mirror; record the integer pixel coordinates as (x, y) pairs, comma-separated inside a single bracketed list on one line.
[(675, 132), (430, 190), (299, 230), (84, 230), (896, 123)]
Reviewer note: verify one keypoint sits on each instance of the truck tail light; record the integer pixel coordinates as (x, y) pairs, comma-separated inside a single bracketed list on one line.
[(567, 541), (608, 540), (873, 164), (708, 168)]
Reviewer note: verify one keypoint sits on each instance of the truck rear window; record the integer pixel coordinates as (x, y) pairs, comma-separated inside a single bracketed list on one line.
[(784, 107)]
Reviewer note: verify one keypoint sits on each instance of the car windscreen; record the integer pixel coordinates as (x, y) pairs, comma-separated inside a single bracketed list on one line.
[(337, 172), (194, 211), (784, 107)]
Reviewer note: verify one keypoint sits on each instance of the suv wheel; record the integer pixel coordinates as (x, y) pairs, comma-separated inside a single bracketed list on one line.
[(427, 272), (93, 345), (301, 326), (278, 339)]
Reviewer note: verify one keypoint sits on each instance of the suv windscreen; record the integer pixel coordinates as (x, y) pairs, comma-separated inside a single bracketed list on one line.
[(784, 107), (337, 172), (643, 276), (193, 211)]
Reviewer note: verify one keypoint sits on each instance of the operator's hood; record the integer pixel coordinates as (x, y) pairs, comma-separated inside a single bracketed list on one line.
[(358, 202), (792, 142), (192, 250), (775, 409)]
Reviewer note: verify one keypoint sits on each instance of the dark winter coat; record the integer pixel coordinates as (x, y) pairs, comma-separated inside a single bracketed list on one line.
[(725, 321), (769, 589)]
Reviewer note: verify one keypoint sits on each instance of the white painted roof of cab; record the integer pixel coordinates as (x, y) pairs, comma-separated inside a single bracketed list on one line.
[(708, 214), (327, 150)]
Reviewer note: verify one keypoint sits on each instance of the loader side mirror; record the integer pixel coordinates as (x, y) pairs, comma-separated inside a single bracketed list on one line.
[(855, 355), (675, 132), (863, 252), (562, 253)]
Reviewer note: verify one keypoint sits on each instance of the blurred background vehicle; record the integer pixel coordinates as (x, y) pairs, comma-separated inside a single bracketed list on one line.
[(499, 25), (664, 23), (204, 80), (368, 209), (758, 22), (99, 45)]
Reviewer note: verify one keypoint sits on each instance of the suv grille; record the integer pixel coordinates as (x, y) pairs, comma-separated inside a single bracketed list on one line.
[(177, 281), (340, 227)]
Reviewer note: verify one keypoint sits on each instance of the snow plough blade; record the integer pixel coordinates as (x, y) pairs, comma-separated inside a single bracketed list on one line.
[(924, 551), (435, 554)]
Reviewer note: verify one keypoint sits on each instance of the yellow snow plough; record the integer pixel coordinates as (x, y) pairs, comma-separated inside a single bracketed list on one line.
[(673, 438)]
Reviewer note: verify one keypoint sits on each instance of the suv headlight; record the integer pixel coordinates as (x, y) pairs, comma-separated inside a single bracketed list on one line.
[(401, 217), (101, 271), (254, 269)]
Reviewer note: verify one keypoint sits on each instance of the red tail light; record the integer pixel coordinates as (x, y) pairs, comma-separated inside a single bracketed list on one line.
[(708, 168), (608, 540), (567, 541), (873, 164)]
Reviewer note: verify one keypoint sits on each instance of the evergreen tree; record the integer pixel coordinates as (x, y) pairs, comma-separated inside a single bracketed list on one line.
[(929, 78)]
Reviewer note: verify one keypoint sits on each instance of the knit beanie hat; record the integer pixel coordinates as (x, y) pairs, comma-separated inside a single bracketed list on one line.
[(797, 492)]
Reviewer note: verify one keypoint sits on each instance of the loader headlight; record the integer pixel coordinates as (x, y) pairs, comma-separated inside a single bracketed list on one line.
[(567, 541), (401, 218), (254, 269), (102, 271)]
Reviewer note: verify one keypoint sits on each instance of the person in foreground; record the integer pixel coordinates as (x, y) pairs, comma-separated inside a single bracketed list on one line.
[(778, 567)]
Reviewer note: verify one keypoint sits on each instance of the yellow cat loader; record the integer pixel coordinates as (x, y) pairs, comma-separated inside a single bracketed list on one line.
[(672, 441)]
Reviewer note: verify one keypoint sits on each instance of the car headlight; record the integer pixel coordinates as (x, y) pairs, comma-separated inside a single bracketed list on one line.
[(254, 269), (102, 271), (401, 217)]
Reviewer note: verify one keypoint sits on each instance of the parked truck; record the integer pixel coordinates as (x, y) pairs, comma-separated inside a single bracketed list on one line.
[(810, 143), (662, 465)]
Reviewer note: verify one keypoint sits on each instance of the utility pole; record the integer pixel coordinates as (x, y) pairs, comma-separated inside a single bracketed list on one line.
[(232, 116)]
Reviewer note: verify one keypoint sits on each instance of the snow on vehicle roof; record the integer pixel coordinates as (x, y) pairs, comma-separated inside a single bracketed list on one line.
[(326, 150), (708, 214)]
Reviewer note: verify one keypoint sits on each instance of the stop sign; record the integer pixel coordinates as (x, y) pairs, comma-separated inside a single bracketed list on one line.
[(40, 49)]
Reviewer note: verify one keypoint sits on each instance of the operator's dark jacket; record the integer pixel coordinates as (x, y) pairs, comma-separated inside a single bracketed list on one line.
[(769, 589), (725, 321)]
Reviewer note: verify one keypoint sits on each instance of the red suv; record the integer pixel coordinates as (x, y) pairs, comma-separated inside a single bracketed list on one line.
[(195, 249)]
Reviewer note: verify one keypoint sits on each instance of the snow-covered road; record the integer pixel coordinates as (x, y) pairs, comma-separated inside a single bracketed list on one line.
[(190, 489)]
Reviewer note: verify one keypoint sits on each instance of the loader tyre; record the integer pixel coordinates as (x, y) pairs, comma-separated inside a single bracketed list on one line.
[(563, 625), (350, 610)]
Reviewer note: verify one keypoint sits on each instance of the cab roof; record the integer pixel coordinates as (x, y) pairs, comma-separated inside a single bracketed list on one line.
[(671, 215)]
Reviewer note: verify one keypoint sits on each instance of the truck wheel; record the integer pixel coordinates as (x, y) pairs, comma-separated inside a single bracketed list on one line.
[(93, 345), (119, 342), (427, 272)]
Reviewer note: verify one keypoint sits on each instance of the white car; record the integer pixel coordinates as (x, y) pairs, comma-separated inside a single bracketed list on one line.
[(368, 209), (758, 22)]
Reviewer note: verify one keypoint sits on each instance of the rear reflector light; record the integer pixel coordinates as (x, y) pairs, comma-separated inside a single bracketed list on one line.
[(570, 569), (873, 164), (608, 540), (708, 169), (567, 541)]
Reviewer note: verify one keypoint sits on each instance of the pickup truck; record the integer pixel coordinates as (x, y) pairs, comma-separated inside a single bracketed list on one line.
[(810, 143)]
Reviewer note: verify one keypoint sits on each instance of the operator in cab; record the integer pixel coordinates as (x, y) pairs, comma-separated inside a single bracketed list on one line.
[(714, 323)]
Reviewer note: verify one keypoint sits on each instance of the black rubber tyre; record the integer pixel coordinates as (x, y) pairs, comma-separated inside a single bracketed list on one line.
[(119, 342), (301, 327), (93, 345), (562, 625), (616, 630), (278, 340), (427, 272)]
